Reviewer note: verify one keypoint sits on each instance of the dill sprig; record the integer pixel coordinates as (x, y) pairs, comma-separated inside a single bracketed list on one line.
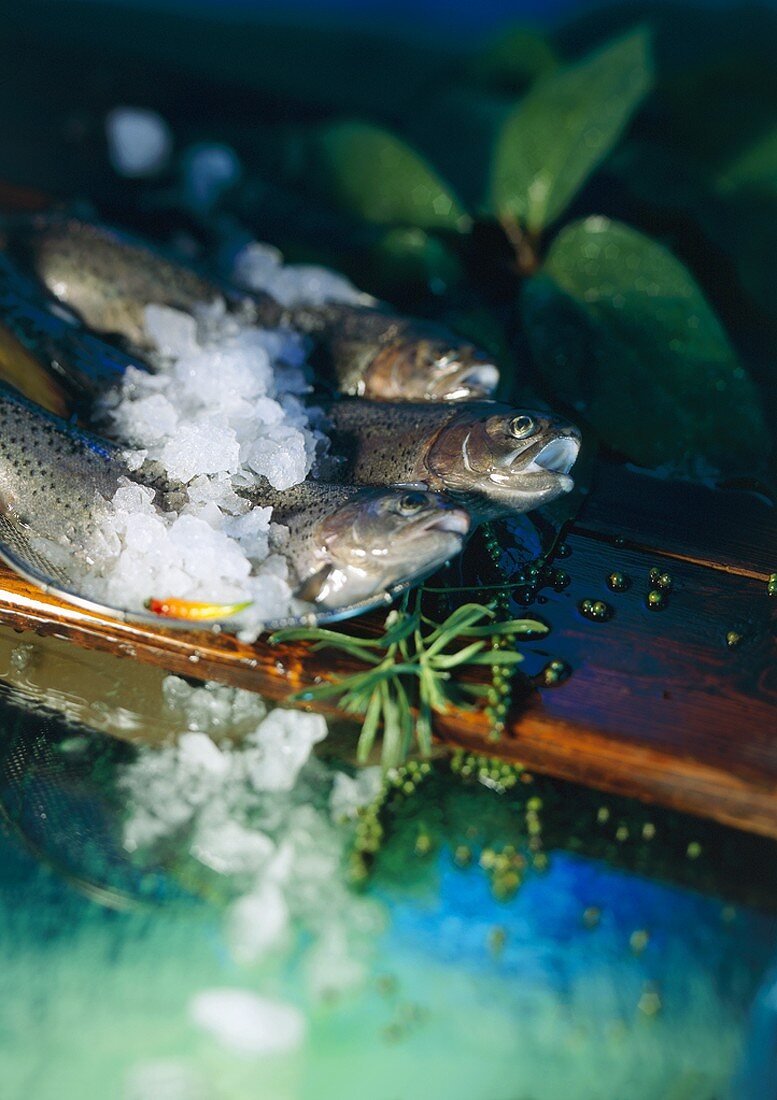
[(412, 671)]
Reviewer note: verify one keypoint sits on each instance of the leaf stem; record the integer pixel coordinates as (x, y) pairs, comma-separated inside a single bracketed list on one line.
[(525, 244)]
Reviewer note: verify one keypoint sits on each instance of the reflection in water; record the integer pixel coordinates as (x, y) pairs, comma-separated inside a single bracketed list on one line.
[(291, 930)]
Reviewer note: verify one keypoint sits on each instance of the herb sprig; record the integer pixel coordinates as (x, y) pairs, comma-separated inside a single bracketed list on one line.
[(413, 671)]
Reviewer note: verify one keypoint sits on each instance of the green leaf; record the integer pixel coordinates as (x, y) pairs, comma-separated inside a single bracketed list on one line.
[(755, 169), (460, 657), (374, 175), (391, 753), (497, 657), (400, 625), (566, 125), (525, 626), (434, 690), (369, 726), (735, 209), (621, 331), (405, 719), (465, 616), (424, 728), (323, 637), (511, 626)]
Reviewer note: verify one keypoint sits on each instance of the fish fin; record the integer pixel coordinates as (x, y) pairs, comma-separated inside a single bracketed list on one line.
[(312, 586)]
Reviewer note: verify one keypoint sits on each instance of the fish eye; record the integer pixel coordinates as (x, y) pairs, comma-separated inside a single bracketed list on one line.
[(522, 426), (411, 503)]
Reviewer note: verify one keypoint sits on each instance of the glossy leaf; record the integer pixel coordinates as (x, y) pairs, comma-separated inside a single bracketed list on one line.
[(621, 331), (374, 175), (755, 169), (554, 139), (736, 211)]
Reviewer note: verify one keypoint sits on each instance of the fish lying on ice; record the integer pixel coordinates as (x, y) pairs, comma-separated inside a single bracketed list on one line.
[(55, 484), (489, 457), (46, 353), (344, 545), (375, 353), (104, 275), (108, 277), (348, 545)]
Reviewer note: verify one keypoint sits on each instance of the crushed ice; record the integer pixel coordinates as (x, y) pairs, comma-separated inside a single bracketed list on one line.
[(242, 793), (259, 266), (222, 413)]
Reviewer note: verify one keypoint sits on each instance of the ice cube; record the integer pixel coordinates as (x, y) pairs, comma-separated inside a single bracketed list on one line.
[(350, 794), (229, 848), (200, 447), (139, 141), (279, 748), (257, 922), (256, 266), (244, 1022), (209, 169), (173, 332), (279, 455)]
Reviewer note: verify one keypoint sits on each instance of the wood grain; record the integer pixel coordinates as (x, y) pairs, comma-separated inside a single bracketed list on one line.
[(731, 530)]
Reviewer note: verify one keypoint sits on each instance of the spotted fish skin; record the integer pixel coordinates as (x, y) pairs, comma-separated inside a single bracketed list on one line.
[(54, 478), (372, 352), (382, 443), (493, 459), (301, 510)]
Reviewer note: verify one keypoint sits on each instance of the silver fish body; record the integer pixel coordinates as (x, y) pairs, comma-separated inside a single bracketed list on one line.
[(349, 545), (108, 277), (55, 482), (493, 459), (349, 548), (46, 353), (372, 352)]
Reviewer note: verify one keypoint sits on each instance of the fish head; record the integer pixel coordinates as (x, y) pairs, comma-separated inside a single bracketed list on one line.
[(498, 459), (429, 369), (382, 537)]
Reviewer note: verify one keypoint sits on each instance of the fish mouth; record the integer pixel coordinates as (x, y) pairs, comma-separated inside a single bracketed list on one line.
[(453, 522), (478, 380), (556, 457)]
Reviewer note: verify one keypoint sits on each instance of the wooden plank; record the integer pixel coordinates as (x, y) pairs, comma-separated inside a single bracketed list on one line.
[(658, 705), (667, 679), (730, 530)]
